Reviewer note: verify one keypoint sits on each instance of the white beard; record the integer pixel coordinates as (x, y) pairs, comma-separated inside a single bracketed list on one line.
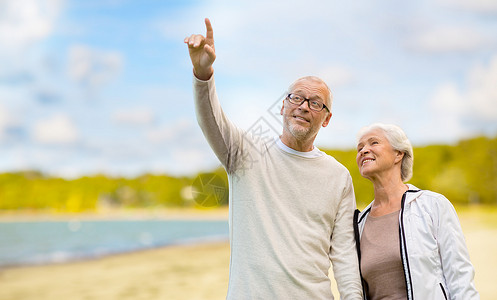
[(299, 132)]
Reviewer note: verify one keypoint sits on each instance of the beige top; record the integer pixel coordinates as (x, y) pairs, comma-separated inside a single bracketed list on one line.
[(381, 264), (289, 215)]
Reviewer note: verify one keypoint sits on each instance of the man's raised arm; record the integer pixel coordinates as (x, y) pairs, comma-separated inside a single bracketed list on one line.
[(224, 137), (202, 52)]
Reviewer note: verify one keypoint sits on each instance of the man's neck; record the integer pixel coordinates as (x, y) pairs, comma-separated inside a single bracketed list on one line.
[(298, 145)]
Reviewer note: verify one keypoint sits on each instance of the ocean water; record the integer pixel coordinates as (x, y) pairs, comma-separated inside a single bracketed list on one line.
[(28, 243)]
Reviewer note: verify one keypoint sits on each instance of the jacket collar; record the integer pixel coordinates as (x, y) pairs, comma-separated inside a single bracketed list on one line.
[(412, 193)]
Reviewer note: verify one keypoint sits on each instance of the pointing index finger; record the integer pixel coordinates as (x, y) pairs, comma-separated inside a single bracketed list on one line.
[(210, 33)]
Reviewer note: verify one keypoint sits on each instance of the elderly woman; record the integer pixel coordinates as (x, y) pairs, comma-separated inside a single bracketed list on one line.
[(409, 241)]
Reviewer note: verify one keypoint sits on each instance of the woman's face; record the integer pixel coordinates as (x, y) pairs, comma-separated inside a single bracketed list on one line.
[(375, 155)]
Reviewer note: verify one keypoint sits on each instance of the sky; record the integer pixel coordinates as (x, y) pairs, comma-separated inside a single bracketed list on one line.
[(105, 86)]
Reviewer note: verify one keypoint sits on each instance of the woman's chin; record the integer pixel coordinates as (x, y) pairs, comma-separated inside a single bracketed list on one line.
[(365, 174)]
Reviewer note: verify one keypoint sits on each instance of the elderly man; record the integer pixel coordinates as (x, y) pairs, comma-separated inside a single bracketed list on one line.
[(291, 205)]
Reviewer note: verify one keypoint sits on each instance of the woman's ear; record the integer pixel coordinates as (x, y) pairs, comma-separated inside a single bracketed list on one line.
[(399, 156)]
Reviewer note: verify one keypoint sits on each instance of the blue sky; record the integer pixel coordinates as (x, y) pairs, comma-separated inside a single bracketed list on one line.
[(105, 86)]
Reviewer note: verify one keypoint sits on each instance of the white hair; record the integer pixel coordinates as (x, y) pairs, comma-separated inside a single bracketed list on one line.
[(399, 142)]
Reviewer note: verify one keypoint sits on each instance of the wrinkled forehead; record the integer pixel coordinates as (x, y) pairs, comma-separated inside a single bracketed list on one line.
[(311, 88), (370, 133)]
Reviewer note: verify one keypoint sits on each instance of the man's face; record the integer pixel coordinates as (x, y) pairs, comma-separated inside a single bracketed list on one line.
[(299, 120)]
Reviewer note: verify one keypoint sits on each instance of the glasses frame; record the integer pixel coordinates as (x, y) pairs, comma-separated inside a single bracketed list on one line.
[(289, 98)]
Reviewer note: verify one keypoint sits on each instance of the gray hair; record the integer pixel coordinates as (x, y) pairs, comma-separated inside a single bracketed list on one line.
[(399, 142), (328, 101)]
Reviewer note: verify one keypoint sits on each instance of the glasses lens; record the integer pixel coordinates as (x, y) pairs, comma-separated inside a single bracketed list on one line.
[(295, 99), (315, 105)]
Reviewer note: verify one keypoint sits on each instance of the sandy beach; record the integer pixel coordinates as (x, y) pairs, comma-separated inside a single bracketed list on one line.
[(177, 272), (194, 271)]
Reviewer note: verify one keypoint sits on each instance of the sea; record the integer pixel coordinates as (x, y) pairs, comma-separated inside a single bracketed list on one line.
[(46, 242)]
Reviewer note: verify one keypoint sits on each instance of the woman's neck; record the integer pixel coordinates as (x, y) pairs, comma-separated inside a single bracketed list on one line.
[(387, 195)]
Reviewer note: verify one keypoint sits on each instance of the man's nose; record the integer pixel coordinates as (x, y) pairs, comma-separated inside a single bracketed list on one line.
[(305, 106)]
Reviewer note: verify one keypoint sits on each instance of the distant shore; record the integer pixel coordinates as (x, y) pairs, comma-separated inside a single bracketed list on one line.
[(219, 213)]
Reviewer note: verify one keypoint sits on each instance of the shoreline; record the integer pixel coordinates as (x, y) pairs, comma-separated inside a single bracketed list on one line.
[(218, 213), (91, 237), (93, 257), (190, 213), (172, 247)]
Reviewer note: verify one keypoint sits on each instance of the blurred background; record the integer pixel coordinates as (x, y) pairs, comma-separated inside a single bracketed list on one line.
[(96, 104), (102, 89)]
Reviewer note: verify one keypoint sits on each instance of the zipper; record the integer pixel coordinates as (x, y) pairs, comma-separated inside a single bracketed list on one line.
[(443, 290), (403, 251), (358, 248)]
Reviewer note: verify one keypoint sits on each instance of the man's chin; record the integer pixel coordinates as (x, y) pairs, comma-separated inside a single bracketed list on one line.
[(299, 132)]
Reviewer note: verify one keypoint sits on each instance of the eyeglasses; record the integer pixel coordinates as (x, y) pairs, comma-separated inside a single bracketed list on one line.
[(314, 105)]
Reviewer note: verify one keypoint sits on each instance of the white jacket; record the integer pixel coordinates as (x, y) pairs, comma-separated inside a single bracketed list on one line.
[(433, 250)]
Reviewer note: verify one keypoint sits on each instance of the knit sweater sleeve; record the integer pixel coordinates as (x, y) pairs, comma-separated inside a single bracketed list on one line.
[(343, 253), (225, 139)]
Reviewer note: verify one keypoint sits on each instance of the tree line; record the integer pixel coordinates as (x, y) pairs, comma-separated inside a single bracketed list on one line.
[(465, 173)]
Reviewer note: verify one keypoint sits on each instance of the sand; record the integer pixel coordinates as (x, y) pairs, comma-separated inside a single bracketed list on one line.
[(177, 272), (193, 271)]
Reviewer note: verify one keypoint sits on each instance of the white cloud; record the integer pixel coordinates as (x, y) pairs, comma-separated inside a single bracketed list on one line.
[(448, 99), (475, 103), (26, 22), (23, 26), (57, 130), (482, 92), (480, 6), (191, 160), (92, 68), (448, 106), (180, 129), (448, 39), (134, 117)]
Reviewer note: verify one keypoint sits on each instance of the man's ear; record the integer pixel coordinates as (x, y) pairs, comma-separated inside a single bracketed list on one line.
[(327, 120), (282, 107)]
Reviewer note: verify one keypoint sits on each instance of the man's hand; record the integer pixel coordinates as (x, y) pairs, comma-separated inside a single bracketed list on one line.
[(202, 52)]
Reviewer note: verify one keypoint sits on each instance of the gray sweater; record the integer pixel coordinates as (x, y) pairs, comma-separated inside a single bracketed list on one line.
[(289, 215)]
